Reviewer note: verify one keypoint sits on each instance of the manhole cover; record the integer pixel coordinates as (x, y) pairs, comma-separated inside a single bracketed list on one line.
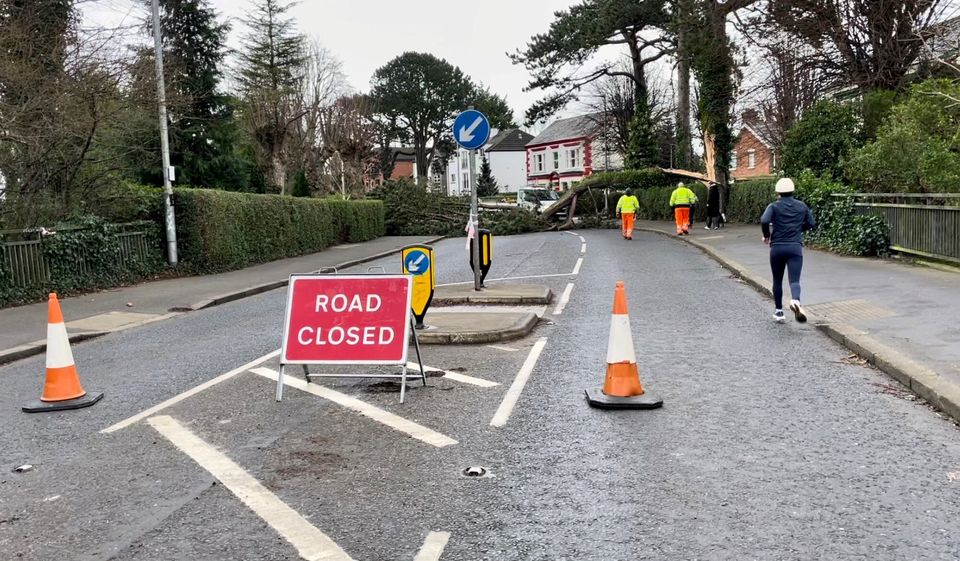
[(475, 471)]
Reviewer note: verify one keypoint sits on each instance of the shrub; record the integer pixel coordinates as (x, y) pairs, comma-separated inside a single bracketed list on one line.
[(839, 228), (917, 149), (748, 200), (822, 139), (86, 254), (222, 230), (636, 179)]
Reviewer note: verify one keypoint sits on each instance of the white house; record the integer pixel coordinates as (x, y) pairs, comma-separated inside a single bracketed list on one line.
[(568, 151), (506, 151)]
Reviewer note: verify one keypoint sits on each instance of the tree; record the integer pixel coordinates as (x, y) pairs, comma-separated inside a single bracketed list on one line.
[(556, 60), (495, 107), (202, 127), (917, 149), (272, 63), (822, 139), (347, 132), (866, 43), (301, 187), (417, 94), (486, 183)]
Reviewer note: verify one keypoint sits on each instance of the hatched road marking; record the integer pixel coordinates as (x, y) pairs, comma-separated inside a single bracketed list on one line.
[(191, 392), (564, 300), (433, 546), (395, 422), (503, 348), (455, 376), (502, 415), (310, 543)]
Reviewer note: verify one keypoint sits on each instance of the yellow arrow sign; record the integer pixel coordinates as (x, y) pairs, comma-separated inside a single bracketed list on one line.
[(418, 260)]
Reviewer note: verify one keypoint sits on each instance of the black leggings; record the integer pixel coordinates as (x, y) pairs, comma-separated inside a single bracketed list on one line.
[(789, 256)]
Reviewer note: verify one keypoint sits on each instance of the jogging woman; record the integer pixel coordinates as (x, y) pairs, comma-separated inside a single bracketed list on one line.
[(783, 224)]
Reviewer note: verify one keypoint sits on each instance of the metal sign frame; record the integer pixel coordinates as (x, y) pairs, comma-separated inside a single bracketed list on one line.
[(409, 331)]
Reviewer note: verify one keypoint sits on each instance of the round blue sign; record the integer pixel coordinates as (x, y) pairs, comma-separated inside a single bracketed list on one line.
[(417, 263), (471, 129)]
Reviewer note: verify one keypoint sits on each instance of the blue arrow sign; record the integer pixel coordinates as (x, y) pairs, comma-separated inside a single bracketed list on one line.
[(417, 263), (471, 129)]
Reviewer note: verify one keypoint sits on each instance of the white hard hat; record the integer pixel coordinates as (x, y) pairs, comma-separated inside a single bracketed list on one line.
[(785, 185)]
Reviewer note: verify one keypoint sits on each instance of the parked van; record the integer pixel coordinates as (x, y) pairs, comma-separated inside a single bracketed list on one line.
[(539, 199)]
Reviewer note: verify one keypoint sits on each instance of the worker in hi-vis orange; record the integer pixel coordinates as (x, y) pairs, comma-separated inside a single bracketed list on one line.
[(627, 208), (681, 200)]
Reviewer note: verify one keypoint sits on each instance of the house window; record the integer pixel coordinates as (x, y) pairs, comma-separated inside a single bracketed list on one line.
[(464, 161), (466, 181), (733, 160), (538, 162), (556, 160), (453, 179), (751, 159), (573, 158)]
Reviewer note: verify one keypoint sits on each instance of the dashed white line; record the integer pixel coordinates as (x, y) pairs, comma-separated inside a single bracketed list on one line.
[(583, 247), (503, 348), (576, 268), (433, 546), (513, 394), (582, 239), (191, 392), (455, 376), (508, 279), (310, 543), (395, 422), (564, 299)]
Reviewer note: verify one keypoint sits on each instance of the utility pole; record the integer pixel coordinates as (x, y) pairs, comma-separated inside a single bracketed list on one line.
[(475, 216), (171, 223)]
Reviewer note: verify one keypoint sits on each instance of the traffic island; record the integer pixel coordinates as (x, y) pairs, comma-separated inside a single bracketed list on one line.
[(497, 294), (473, 328)]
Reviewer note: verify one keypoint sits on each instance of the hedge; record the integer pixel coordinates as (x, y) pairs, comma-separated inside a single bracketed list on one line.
[(748, 200), (223, 230)]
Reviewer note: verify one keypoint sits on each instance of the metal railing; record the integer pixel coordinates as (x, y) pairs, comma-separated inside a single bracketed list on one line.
[(921, 224), (24, 261)]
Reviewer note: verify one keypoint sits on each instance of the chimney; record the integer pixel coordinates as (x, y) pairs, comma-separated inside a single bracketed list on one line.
[(750, 117)]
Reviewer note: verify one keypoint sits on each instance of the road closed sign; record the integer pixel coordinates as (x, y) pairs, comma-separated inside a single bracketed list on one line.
[(359, 319)]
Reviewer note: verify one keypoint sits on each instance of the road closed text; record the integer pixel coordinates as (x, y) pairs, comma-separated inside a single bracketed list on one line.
[(351, 319)]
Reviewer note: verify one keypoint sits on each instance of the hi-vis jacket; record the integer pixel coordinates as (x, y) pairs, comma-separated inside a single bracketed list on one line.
[(682, 196), (628, 204)]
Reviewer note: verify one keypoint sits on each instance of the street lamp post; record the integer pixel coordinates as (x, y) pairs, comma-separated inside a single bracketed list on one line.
[(171, 224)]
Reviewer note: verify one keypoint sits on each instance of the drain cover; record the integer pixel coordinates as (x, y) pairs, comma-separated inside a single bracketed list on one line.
[(474, 471)]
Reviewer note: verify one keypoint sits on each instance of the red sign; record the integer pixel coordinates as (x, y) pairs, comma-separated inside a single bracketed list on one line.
[(362, 319)]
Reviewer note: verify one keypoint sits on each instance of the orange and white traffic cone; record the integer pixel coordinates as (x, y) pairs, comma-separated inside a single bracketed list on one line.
[(62, 389), (622, 388)]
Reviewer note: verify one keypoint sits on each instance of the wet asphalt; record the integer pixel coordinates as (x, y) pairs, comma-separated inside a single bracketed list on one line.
[(771, 443)]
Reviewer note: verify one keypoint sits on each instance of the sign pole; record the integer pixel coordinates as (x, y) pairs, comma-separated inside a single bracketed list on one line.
[(475, 217)]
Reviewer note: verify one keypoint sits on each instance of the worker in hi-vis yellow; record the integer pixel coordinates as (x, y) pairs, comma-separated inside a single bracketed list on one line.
[(627, 208), (681, 200)]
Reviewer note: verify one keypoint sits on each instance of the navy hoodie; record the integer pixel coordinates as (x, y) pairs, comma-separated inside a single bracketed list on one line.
[(790, 218)]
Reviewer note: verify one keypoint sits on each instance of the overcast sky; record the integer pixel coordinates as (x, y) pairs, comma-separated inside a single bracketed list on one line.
[(365, 34)]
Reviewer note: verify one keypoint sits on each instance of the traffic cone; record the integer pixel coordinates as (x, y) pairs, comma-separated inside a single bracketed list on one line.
[(62, 389), (622, 388)]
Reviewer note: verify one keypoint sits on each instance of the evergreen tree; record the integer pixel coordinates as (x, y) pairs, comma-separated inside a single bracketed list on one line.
[(486, 183), (301, 187), (272, 63), (642, 150), (202, 128)]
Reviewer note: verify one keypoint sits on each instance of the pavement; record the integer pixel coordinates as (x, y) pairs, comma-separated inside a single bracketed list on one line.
[(896, 315), (23, 328), (772, 443)]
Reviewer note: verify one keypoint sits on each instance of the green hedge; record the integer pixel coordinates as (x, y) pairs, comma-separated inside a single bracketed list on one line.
[(748, 200), (222, 230), (636, 179)]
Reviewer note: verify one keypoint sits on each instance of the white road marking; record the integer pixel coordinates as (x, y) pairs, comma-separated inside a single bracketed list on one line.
[(564, 299), (513, 394), (455, 376), (508, 278), (310, 543), (573, 233), (503, 348), (191, 392), (433, 546), (712, 238), (582, 239), (538, 311), (576, 269), (583, 247), (395, 422)]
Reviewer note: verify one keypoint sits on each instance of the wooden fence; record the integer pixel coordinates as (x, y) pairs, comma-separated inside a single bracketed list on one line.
[(921, 224)]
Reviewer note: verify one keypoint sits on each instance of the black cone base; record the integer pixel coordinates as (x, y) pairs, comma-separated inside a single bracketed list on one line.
[(79, 403), (596, 398)]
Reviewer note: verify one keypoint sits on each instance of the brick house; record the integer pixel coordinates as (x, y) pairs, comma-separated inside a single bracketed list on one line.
[(568, 151), (754, 155)]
